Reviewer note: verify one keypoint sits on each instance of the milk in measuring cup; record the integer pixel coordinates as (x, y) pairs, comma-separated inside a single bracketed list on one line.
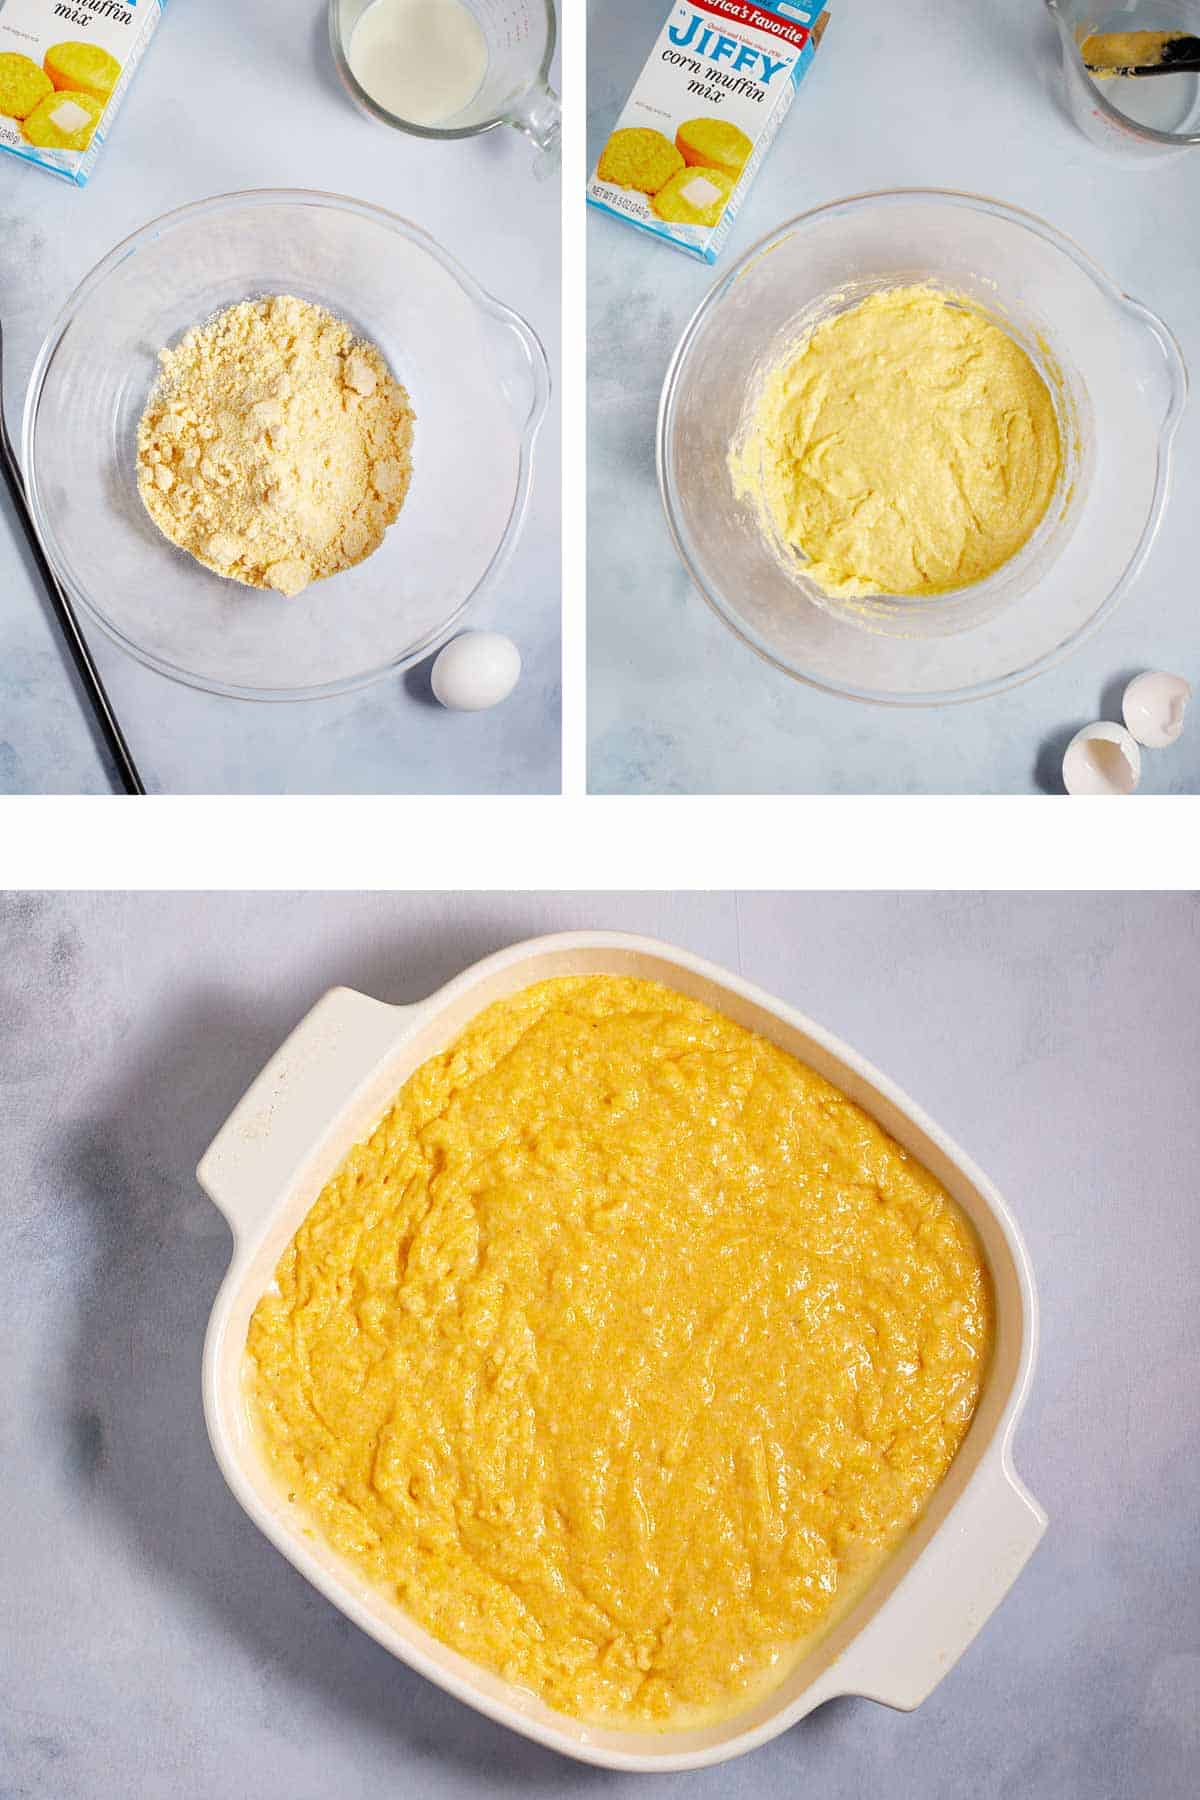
[(421, 60)]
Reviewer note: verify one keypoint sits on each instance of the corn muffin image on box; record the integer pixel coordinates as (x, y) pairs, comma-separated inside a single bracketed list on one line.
[(703, 115), (64, 69)]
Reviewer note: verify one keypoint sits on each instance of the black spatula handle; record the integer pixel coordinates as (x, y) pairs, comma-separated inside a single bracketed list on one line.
[(89, 676)]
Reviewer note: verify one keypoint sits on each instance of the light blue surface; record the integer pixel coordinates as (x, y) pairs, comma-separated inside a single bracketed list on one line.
[(232, 97), (928, 95), (154, 1646)]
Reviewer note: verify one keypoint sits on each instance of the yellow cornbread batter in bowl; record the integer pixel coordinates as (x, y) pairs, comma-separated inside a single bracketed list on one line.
[(622, 1353), (906, 446)]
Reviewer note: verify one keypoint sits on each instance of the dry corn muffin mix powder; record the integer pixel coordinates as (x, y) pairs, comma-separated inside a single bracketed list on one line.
[(276, 447), (622, 1352)]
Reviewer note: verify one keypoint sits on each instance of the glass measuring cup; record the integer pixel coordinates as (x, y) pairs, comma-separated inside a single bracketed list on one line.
[(520, 36), (1141, 117)]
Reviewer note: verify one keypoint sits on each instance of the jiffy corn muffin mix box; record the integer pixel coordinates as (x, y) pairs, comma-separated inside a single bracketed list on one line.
[(64, 69), (703, 115)]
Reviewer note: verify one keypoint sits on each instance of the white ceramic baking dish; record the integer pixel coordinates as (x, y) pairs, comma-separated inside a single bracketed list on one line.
[(325, 1090)]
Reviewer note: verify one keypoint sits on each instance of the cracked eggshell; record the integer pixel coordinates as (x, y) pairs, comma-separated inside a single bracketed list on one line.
[(1153, 706), (1102, 759)]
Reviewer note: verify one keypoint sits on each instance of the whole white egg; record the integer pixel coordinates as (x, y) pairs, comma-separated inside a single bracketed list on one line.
[(475, 671)]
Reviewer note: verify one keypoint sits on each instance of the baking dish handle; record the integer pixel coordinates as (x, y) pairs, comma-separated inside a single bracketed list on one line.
[(937, 1610), (283, 1117)]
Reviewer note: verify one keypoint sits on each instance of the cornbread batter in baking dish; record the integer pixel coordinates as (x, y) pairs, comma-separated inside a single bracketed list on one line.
[(623, 1352), (907, 446)]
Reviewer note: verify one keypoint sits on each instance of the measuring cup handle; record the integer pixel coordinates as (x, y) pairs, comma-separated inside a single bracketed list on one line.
[(539, 115)]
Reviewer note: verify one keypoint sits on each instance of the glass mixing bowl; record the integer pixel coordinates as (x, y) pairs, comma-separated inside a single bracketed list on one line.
[(1119, 383), (474, 370)]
